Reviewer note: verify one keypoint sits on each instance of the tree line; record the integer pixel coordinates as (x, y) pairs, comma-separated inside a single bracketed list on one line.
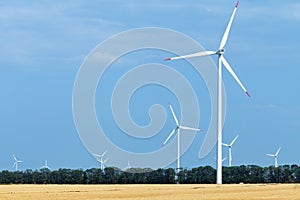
[(110, 175)]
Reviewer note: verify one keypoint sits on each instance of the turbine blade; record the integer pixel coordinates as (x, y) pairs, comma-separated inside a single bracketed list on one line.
[(14, 165), (169, 137), (97, 155), (233, 141), (189, 128), (14, 157), (199, 54), (278, 151), (225, 36), (174, 116), (224, 159), (227, 145), (270, 155), (105, 160), (227, 66), (104, 153)]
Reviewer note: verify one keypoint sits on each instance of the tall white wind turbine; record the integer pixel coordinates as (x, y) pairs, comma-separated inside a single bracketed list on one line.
[(221, 60), (16, 163), (275, 156), (100, 159), (229, 150), (178, 128)]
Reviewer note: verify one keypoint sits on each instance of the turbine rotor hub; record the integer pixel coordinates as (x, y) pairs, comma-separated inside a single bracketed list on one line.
[(221, 51)]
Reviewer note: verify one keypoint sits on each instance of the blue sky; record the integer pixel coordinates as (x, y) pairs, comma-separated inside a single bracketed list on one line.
[(44, 44)]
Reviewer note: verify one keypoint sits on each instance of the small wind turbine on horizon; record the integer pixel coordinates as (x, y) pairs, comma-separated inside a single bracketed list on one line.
[(100, 159), (16, 163), (275, 156), (45, 166), (178, 128), (221, 60), (229, 150), (128, 165)]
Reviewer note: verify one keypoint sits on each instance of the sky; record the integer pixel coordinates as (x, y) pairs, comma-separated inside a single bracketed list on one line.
[(45, 43)]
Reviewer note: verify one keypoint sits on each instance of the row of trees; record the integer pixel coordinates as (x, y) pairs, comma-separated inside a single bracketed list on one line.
[(203, 174), (243, 174)]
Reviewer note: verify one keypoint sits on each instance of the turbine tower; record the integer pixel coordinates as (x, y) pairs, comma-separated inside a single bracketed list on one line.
[(275, 156), (229, 150), (221, 60), (100, 159), (178, 128), (16, 163)]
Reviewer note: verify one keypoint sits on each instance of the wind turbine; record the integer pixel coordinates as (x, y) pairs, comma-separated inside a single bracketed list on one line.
[(178, 128), (229, 149), (46, 166), (16, 163), (275, 156), (128, 165), (221, 60), (100, 159)]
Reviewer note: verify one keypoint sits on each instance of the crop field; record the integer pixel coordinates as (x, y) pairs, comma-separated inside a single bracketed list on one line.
[(150, 192)]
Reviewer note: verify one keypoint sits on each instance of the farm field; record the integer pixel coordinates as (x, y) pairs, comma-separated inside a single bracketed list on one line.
[(153, 192)]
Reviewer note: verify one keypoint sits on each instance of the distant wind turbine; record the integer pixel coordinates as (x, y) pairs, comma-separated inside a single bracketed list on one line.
[(45, 166), (16, 163), (221, 60), (178, 128), (275, 156), (229, 150), (100, 159), (128, 165)]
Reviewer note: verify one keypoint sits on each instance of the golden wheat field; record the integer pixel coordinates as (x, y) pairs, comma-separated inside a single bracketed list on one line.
[(150, 192)]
